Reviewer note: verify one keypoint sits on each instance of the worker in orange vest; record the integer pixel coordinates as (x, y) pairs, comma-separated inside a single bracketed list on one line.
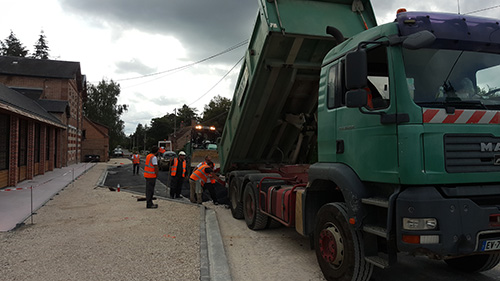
[(150, 174), (201, 175), (136, 160), (177, 175)]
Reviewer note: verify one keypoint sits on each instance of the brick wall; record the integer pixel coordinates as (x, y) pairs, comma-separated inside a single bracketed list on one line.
[(96, 141), (69, 141)]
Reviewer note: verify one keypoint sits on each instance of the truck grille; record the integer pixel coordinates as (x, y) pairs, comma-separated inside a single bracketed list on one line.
[(472, 153)]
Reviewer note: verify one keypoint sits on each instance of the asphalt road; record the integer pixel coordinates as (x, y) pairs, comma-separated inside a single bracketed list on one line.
[(123, 176)]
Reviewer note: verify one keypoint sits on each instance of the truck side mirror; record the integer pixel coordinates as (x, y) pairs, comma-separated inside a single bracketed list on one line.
[(356, 70), (356, 98)]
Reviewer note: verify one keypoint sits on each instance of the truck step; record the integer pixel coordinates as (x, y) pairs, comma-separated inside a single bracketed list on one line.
[(377, 230), (378, 261), (376, 201)]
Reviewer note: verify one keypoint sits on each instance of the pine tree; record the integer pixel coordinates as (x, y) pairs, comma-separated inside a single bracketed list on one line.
[(13, 47), (41, 48)]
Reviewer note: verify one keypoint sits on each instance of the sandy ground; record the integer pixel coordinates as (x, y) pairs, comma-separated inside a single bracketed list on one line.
[(88, 233), (271, 254)]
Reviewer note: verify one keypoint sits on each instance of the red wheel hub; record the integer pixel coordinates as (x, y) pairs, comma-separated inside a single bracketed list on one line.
[(331, 246)]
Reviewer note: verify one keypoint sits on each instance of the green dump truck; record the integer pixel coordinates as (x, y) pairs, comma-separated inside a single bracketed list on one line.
[(371, 140)]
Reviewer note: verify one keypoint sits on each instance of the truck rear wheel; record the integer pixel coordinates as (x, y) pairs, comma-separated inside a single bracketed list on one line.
[(339, 247), (236, 204), (253, 217), (476, 263)]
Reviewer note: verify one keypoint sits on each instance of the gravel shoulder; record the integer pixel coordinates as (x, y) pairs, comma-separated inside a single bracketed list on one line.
[(89, 233)]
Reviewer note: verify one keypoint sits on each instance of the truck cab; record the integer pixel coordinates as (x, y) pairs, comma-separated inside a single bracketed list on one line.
[(411, 111)]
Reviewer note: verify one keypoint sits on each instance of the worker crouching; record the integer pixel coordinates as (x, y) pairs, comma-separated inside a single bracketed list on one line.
[(200, 176)]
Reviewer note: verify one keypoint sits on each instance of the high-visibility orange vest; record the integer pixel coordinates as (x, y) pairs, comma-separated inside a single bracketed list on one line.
[(201, 174), (149, 169), (136, 159), (162, 150), (173, 168)]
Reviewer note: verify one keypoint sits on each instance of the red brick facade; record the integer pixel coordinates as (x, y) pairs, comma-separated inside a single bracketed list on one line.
[(47, 144), (96, 139)]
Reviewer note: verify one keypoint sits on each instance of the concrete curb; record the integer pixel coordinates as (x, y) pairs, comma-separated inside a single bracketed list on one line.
[(218, 265)]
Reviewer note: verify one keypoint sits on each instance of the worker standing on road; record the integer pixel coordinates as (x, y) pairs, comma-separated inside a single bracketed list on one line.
[(150, 174), (136, 160), (198, 179), (177, 175)]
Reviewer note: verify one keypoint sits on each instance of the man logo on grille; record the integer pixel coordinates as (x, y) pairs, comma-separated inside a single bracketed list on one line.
[(490, 146)]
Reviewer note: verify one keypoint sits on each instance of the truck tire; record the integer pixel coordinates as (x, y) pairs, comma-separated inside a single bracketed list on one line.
[(476, 263), (236, 205), (253, 217), (339, 247)]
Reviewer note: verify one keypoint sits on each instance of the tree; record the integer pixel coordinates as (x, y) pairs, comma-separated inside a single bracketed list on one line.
[(185, 115), (101, 106), (13, 47), (41, 48), (215, 112), (161, 127)]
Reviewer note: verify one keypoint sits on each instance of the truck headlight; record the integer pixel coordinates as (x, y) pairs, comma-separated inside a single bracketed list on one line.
[(419, 223)]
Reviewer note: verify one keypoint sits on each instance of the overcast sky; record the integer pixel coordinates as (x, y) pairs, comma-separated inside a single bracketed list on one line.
[(126, 39)]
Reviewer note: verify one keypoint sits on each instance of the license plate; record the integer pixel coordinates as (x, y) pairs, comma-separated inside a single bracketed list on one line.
[(491, 245)]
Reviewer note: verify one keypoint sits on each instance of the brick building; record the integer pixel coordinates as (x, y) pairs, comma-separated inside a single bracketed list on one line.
[(41, 106), (95, 139)]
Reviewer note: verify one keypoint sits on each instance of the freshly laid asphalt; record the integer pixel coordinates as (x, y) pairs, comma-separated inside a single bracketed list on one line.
[(17, 204)]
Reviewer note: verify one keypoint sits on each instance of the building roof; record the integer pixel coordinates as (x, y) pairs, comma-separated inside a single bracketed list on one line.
[(21, 66), (54, 106), (18, 103), (103, 129)]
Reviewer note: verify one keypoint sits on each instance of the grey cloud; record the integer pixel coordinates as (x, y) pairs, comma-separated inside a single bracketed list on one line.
[(203, 27), (134, 66)]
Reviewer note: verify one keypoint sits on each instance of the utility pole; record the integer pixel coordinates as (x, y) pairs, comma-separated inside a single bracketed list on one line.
[(175, 115)]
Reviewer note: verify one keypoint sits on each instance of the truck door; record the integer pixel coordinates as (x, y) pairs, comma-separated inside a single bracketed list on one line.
[(359, 139)]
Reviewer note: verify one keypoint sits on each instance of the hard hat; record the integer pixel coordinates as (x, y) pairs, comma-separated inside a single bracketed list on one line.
[(182, 153)]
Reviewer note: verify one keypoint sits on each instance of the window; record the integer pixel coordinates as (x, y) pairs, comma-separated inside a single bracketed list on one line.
[(332, 86), (37, 143), (4, 141), (47, 143), (23, 143), (378, 78), (336, 86)]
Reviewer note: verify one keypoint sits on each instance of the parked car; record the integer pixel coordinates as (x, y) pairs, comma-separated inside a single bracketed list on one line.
[(118, 152), (92, 158), (164, 160)]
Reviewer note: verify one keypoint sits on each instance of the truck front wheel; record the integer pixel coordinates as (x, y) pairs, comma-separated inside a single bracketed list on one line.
[(339, 247), (476, 263), (253, 217), (236, 204)]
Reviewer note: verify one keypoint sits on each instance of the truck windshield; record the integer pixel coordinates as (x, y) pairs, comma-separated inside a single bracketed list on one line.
[(460, 79)]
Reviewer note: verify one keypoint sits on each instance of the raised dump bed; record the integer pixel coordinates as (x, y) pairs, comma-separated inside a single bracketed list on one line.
[(273, 113)]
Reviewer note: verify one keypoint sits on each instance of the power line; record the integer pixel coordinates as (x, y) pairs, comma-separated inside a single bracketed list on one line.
[(176, 69), (225, 75), (482, 10)]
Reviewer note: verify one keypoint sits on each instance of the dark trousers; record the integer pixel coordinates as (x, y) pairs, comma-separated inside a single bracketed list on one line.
[(176, 186), (150, 191), (211, 190), (135, 169)]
